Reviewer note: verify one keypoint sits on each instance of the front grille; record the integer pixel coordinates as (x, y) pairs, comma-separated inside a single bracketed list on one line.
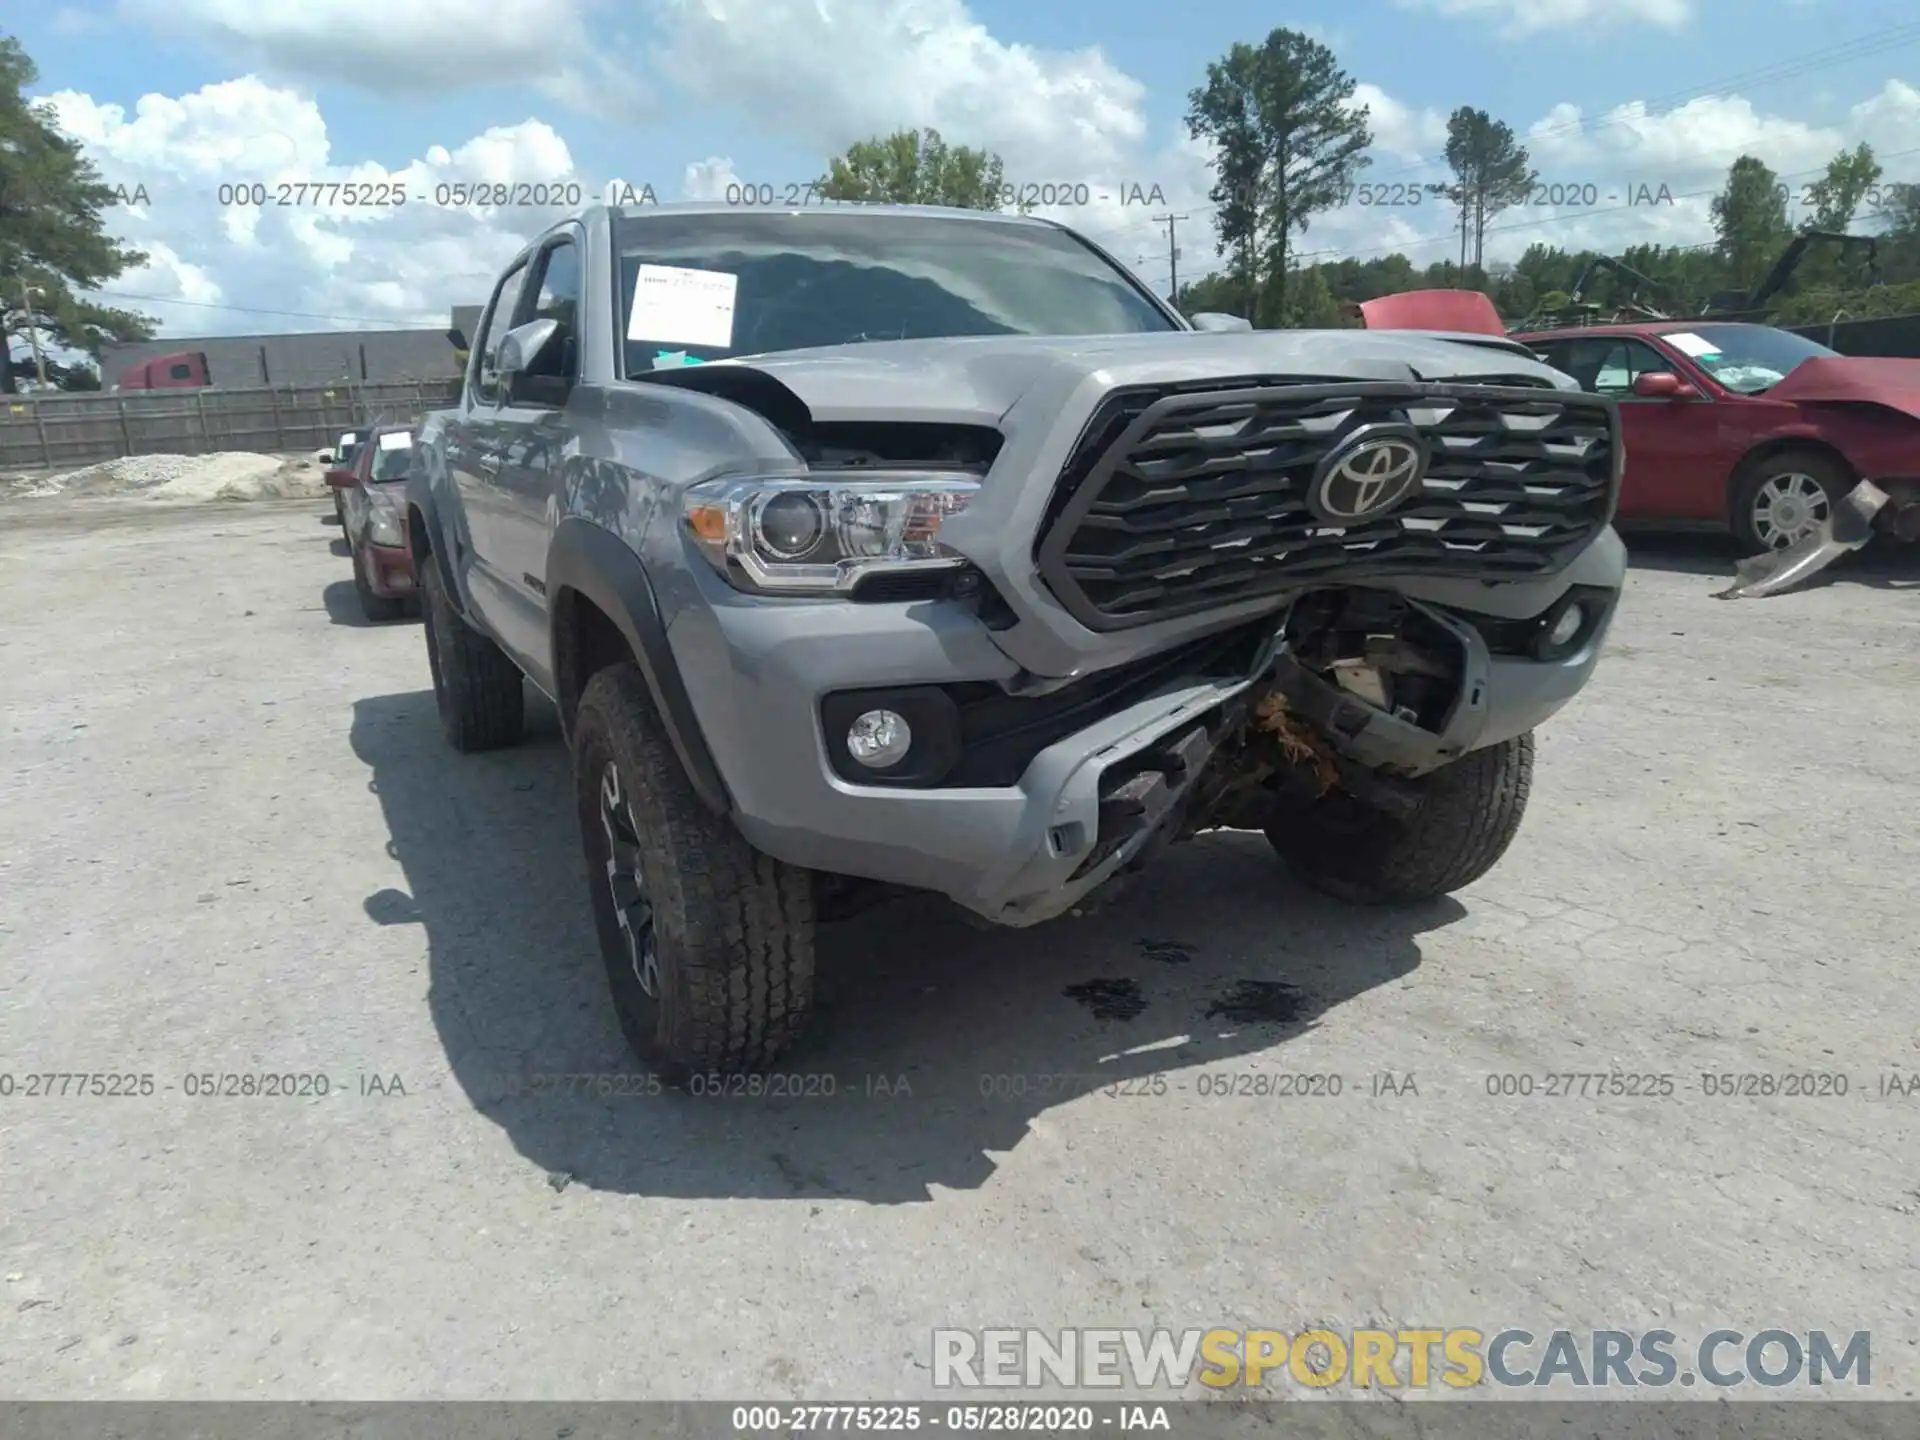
[(1182, 500)]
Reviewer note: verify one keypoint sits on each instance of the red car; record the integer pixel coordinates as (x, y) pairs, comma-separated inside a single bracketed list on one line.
[(1746, 427), (371, 496)]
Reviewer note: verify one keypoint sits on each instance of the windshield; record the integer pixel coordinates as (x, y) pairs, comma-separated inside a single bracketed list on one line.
[(718, 285), (394, 456), (1746, 358)]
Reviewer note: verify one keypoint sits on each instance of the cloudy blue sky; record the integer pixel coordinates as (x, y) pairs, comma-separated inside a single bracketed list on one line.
[(181, 96)]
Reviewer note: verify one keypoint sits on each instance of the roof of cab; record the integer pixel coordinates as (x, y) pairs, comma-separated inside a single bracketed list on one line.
[(822, 207)]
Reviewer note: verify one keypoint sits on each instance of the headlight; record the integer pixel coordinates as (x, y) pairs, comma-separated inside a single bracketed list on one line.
[(383, 524), (823, 532)]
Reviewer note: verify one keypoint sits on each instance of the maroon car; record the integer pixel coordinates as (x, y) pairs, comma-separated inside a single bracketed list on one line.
[(1746, 427), (371, 496)]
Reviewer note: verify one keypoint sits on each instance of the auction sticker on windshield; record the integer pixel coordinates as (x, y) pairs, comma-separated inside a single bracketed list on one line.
[(1688, 343), (397, 440), (677, 306)]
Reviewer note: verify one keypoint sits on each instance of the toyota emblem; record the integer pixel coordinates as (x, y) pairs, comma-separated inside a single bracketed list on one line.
[(1367, 476)]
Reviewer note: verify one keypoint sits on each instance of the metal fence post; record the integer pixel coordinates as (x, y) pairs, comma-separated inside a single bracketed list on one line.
[(40, 429), (273, 398), (206, 435), (126, 430)]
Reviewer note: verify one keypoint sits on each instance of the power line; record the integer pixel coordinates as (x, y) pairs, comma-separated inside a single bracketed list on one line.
[(1173, 254), (250, 309), (1588, 214), (1873, 43)]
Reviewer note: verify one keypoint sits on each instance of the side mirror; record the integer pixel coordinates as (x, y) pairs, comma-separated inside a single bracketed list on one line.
[(457, 339), (341, 479), (522, 345), (1662, 385), (1213, 321)]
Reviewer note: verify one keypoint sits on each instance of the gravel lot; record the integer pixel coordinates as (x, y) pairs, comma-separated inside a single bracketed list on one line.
[(232, 841)]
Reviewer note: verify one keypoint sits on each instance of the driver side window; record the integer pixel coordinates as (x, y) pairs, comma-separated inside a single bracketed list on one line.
[(1609, 364), (486, 380)]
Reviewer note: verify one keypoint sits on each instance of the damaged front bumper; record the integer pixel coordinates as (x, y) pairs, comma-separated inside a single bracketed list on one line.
[(1849, 528)]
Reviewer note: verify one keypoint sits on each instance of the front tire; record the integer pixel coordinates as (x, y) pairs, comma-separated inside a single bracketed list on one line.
[(482, 702), (1783, 498), (1466, 818), (708, 943)]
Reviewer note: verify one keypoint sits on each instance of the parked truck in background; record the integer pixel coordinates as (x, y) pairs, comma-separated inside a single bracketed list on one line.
[(187, 370)]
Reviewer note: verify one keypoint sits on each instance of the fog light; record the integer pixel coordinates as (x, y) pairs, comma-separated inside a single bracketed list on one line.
[(1567, 626), (879, 738)]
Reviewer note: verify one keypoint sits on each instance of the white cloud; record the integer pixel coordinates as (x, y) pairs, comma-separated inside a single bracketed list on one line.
[(305, 252), (1517, 19), (708, 179), (383, 45), (826, 74), (1399, 130)]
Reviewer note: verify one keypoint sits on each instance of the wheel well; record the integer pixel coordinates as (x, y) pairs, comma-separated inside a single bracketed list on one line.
[(585, 642), (1773, 449), (419, 543)]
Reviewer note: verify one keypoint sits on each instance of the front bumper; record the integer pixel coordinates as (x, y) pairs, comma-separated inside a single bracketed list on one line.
[(389, 570), (1020, 853)]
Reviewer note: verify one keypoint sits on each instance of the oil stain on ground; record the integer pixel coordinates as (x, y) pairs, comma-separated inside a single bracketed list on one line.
[(1261, 1002), (1167, 952), (1108, 999)]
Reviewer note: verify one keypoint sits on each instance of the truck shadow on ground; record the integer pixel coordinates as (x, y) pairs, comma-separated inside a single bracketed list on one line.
[(934, 1044), (342, 604)]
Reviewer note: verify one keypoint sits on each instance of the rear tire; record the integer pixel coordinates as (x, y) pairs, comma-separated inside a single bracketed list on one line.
[(1466, 819), (378, 608), (1772, 495), (481, 697), (708, 943)]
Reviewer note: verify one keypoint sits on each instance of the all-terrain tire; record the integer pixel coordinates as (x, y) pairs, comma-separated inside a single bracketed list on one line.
[(731, 930), (1465, 820), (482, 701), (377, 608), (1826, 472)]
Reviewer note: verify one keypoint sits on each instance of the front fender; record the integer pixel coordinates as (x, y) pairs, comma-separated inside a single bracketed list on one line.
[(427, 536), (593, 563)]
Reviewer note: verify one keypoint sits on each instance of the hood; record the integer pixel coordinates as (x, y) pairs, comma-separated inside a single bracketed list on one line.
[(1851, 379), (1461, 310), (976, 380)]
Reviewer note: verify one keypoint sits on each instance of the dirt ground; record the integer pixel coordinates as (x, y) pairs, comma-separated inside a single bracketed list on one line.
[(232, 842)]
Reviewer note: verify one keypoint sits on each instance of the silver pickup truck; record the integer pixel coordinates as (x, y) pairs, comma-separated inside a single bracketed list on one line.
[(866, 548)]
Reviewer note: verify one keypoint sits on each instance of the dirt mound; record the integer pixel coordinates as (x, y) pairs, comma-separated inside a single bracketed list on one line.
[(224, 475)]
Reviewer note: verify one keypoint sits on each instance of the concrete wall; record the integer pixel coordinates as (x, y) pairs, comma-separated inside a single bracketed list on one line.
[(315, 358)]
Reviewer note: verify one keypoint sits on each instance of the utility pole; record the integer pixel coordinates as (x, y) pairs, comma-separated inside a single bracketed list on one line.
[(1173, 254), (33, 330)]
